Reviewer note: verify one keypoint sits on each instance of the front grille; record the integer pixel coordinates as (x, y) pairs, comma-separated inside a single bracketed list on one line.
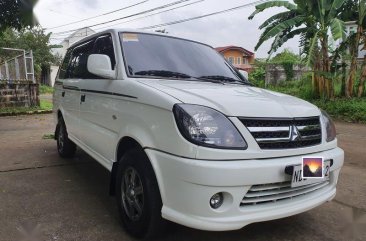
[(284, 133), (276, 192)]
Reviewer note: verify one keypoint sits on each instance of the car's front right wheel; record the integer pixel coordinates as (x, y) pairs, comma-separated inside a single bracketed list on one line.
[(138, 196)]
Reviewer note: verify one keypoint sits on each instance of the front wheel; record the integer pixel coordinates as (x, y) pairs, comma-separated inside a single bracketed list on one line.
[(138, 196)]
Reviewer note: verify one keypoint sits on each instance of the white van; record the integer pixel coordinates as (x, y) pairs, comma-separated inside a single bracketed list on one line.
[(186, 137)]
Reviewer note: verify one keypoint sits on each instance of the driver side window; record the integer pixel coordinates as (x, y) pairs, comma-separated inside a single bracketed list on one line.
[(104, 45)]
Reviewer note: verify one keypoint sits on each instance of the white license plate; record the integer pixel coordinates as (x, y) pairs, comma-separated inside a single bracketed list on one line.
[(298, 180)]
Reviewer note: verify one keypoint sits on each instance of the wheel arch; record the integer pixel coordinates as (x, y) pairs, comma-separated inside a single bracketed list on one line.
[(125, 143), (59, 115)]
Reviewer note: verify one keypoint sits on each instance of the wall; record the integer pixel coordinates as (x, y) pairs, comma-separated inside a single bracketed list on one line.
[(236, 54), (276, 74), (53, 74), (21, 94)]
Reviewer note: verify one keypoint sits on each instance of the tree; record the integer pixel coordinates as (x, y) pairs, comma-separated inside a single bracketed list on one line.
[(29, 39), (355, 40), (312, 20), (16, 14), (287, 59)]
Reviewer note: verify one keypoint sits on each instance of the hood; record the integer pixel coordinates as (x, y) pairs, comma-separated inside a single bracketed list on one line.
[(235, 100)]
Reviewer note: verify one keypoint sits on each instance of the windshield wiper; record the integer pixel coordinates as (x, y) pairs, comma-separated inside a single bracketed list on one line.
[(222, 79), (163, 73)]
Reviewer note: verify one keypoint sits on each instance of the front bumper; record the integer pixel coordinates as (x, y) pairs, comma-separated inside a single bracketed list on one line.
[(186, 186)]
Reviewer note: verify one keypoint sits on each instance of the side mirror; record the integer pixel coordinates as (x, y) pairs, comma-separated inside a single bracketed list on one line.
[(244, 73), (100, 65)]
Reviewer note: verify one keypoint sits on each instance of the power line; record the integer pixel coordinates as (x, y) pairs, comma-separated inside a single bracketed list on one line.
[(168, 10), (103, 14), (204, 16), (128, 16)]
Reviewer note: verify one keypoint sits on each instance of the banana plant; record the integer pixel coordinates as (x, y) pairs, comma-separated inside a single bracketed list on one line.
[(313, 20)]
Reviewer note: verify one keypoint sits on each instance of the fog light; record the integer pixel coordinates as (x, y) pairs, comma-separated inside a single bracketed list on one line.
[(216, 200)]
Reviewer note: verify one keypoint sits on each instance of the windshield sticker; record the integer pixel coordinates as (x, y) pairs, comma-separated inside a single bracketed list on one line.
[(130, 37)]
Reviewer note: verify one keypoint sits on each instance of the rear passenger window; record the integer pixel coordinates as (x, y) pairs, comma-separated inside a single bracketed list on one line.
[(78, 63), (104, 45), (65, 63)]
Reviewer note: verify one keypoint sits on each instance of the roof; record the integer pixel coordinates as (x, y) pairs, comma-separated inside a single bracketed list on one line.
[(87, 29), (232, 47)]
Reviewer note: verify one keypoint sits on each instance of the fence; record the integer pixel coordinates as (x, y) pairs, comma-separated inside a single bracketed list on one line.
[(19, 68), (275, 73), (18, 87)]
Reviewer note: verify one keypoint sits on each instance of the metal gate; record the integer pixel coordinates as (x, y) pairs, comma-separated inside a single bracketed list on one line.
[(18, 68)]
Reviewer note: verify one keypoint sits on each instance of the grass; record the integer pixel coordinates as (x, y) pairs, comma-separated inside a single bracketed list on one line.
[(45, 89), (351, 110), (44, 106)]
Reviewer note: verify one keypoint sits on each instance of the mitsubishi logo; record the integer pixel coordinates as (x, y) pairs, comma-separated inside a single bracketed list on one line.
[(294, 133)]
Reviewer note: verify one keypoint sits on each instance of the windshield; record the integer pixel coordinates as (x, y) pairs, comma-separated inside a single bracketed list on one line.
[(163, 56)]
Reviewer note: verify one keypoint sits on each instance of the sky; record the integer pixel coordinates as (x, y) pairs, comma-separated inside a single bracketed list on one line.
[(231, 28)]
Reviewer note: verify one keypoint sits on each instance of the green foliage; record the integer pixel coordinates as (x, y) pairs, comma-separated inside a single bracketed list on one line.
[(257, 76), (287, 59), (44, 106), (16, 14), (301, 88), (346, 109), (45, 89), (33, 39)]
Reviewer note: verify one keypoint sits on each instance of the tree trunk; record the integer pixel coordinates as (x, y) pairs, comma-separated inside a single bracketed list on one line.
[(361, 85), (315, 75), (343, 84), (353, 68), (327, 83)]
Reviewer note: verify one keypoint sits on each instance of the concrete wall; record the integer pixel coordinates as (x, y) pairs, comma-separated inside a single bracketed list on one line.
[(276, 74), (53, 74), (22, 94)]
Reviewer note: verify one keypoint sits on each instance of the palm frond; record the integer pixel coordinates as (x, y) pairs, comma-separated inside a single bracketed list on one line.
[(338, 29), (263, 6), (278, 16), (278, 28), (312, 49), (284, 37)]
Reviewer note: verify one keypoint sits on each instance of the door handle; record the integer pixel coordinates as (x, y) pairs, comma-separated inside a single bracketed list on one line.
[(82, 98), (63, 94)]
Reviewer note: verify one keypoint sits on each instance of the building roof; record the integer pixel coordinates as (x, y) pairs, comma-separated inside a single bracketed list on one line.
[(82, 30), (232, 47)]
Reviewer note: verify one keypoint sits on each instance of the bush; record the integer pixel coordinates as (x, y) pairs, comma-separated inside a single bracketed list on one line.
[(45, 89), (257, 76), (347, 109)]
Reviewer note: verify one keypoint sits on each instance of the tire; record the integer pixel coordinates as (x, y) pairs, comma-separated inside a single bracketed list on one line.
[(144, 221), (65, 147)]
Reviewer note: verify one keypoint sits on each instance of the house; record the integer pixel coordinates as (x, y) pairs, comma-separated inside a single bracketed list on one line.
[(71, 39), (240, 57), (351, 28), (49, 77)]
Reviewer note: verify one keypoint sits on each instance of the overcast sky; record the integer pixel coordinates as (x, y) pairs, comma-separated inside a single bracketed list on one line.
[(232, 28)]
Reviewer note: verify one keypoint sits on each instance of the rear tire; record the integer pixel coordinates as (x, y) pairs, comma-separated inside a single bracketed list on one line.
[(138, 196), (65, 147)]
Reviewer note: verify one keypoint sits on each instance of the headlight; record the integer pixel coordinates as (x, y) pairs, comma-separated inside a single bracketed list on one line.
[(329, 126), (207, 127)]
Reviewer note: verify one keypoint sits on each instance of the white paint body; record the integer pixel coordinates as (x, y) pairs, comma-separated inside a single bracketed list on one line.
[(188, 175)]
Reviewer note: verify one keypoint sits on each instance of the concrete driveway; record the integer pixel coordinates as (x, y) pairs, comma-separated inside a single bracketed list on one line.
[(68, 199)]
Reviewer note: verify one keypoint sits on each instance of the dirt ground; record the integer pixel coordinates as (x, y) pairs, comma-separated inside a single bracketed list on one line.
[(68, 199)]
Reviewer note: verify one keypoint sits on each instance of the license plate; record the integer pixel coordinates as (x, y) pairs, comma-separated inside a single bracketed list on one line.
[(297, 179)]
